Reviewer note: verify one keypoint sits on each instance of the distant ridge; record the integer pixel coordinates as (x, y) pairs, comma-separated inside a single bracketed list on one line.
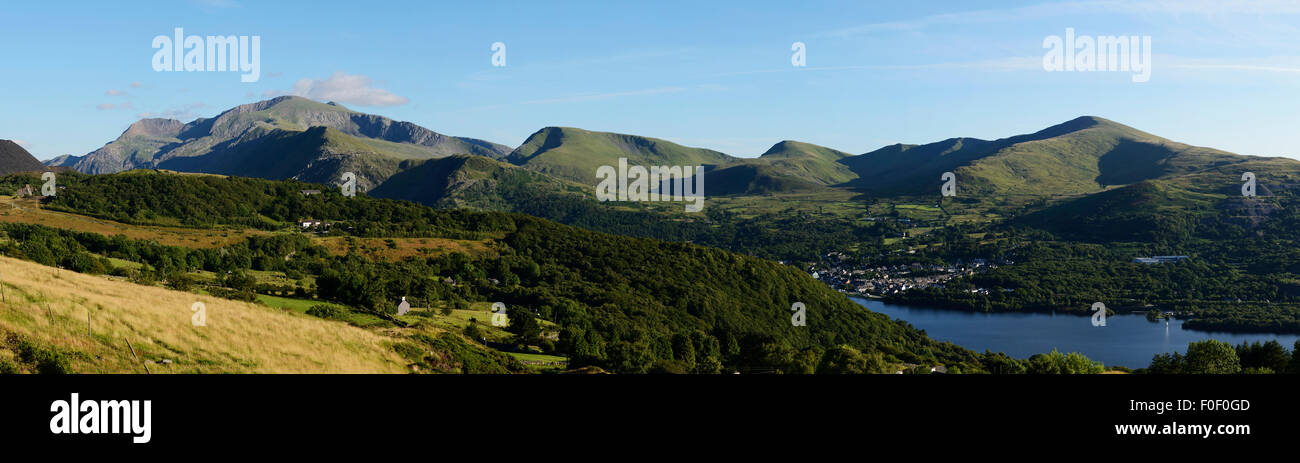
[(155, 143), (1082, 155)]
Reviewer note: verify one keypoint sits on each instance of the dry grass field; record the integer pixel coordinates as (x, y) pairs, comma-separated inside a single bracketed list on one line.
[(49, 307)]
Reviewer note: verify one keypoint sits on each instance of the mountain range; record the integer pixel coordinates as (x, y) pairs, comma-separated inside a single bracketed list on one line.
[(298, 138), (284, 137)]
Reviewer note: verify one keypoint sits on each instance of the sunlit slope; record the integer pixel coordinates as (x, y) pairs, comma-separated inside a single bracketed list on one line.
[(1084, 155), (49, 307), (575, 154), (477, 182)]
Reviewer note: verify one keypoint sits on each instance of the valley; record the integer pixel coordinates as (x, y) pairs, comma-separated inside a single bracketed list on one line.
[(1042, 222)]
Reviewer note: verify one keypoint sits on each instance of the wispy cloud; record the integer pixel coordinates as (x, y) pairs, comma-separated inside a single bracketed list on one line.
[(114, 92), (343, 88), (1211, 8)]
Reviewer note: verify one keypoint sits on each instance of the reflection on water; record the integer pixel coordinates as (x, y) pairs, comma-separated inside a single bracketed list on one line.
[(1127, 339)]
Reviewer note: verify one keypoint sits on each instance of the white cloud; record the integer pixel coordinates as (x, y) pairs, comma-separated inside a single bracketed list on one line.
[(344, 88)]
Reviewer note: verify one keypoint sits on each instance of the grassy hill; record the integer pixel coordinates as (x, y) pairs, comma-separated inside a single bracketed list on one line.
[(575, 154), (1084, 155), (787, 167), (1149, 211), (467, 181), (45, 318)]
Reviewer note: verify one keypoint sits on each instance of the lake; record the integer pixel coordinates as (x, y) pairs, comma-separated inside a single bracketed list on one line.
[(1127, 339)]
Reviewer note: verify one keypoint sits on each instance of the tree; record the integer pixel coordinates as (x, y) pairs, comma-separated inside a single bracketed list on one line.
[(1002, 364), (1212, 357), (523, 325), (1167, 364), (1056, 363), (472, 330), (1294, 366), (240, 281), (847, 360), (1270, 355)]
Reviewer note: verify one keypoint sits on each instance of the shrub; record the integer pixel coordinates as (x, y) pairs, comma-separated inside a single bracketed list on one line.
[(47, 361), (8, 367), (326, 311)]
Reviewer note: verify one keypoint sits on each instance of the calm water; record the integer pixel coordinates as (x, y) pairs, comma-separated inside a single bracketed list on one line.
[(1127, 339)]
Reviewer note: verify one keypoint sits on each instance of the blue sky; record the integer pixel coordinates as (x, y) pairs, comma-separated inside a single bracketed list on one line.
[(709, 74)]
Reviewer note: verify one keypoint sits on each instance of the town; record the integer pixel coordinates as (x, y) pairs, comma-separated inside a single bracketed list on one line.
[(865, 279)]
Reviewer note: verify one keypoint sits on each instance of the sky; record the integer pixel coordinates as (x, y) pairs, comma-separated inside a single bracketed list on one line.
[(715, 74)]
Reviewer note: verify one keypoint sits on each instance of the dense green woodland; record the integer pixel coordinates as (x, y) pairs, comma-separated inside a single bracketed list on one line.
[(1243, 274), (623, 304)]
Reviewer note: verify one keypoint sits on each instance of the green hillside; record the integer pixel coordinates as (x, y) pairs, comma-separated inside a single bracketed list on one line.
[(318, 154), (466, 181), (575, 154), (787, 167), (809, 162), (1149, 211), (1084, 155), (623, 304)]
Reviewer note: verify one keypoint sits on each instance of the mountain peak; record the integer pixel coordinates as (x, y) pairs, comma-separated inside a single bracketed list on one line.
[(155, 127), (1078, 124), (14, 158), (783, 145), (288, 101), (792, 148)]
